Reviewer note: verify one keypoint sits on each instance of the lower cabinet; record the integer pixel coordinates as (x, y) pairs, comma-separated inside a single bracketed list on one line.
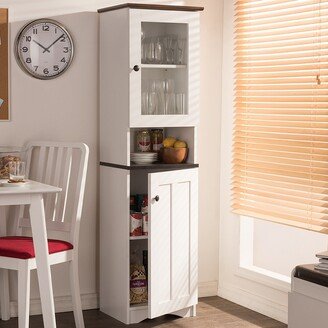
[(171, 243)]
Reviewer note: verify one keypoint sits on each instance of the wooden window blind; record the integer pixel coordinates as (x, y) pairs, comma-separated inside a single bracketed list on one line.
[(280, 164)]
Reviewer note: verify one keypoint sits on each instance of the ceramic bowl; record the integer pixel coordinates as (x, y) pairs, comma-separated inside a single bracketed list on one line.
[(174, 155)]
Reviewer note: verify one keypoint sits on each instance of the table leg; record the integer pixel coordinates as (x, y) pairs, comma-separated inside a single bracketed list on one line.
[(4, 274), (39, 233)]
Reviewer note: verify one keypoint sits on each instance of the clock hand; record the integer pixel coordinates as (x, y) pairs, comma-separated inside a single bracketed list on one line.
[(47, 49)]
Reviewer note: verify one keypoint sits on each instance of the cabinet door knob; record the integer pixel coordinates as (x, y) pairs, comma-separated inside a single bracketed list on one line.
[(136, 68), (156, 198)]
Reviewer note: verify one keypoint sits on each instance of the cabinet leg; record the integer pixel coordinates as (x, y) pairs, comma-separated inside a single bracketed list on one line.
[(186, 312), (193, 311)]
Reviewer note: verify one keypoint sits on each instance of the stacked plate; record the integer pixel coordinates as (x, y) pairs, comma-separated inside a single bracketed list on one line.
[(144, 158)]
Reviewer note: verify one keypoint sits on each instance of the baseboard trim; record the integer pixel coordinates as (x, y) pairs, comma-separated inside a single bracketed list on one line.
[(91, 301), (62, 304), (255, 302), (208, 288)]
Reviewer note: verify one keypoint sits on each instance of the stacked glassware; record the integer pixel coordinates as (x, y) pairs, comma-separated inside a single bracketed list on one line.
[(160, 98), (167, 49)]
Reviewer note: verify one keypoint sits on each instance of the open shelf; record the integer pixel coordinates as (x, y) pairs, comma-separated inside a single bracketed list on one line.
[(162, 166), (139, 306), (155, 166), (162, 66), (138, 237)]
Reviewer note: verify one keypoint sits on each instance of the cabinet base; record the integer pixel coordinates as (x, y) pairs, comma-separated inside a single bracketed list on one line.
[(186, 313), (138, 314)]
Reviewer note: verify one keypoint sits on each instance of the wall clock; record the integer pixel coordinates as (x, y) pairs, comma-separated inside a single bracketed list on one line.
[(44, 49)]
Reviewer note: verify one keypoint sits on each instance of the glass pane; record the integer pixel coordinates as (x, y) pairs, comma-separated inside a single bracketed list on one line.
[(164, 69)]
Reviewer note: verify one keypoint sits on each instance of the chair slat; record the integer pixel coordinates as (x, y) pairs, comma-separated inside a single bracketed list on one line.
[(48, 199), (50, 163), (28, 161), (40, 167), (62, 198), (57, 176)]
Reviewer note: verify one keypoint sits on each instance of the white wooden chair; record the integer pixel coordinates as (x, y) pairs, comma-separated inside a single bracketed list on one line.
[(63, 165)]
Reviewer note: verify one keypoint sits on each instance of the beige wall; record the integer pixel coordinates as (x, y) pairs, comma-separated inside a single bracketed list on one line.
[(63, 109), (209, 139), (67, 109)]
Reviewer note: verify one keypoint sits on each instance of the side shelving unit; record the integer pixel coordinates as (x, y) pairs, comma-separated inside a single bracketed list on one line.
[(169, 251)]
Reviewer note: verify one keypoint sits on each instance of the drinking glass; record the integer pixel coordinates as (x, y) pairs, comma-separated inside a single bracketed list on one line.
[(180, 101), (167, 42), (152, 85), (170, 103), (152, 103), (150, 51), (160, 89), (173, 50), (169, 85), (181, 51), (144, 103), (143, 46), (17, 171), (158, 51)]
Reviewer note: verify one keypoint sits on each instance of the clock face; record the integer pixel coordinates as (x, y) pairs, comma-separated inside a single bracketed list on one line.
[(44, 49)]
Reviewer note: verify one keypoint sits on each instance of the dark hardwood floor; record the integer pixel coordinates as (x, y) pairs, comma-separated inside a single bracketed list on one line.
[(212, 312)]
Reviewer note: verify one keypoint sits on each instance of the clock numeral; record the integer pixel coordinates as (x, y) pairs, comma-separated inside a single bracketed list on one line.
[(55, 30), (28, 39), (46, 71), (65, 50), (63, 39), (45, 28), (35, 68), (63, 60), (56, 68), (28, 60), (35, 31), (25, 49)]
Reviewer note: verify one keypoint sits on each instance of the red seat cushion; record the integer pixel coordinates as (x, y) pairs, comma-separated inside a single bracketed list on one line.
[(22, 247)]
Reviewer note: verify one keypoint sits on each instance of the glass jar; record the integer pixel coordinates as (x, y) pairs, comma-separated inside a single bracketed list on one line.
[(157, 138), (8, 155), (143, 141)]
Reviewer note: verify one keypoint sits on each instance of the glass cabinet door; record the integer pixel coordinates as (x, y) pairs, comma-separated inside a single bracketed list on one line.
[(164, 78)]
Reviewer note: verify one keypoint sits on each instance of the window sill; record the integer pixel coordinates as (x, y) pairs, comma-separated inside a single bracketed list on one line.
[(265, 277)]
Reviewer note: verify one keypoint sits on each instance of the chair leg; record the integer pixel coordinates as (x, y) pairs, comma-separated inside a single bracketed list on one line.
[(76, 296), (4, 294), (23, 294)]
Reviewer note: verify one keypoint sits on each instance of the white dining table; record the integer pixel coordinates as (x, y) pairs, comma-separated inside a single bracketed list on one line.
[(32, 194)]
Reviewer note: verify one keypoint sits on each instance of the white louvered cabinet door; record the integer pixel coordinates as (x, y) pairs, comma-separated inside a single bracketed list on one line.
[(173, 239)]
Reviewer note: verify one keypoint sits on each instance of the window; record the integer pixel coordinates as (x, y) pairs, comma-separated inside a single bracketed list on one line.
[(280, 166)]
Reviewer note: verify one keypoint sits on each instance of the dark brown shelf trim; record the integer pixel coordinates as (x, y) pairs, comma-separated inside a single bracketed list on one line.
[(151, 7), (159, 166)]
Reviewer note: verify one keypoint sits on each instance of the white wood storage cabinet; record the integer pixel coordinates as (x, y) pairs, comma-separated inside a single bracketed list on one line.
[(172, 240)]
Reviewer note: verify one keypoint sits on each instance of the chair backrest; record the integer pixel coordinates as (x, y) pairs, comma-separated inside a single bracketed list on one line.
[(62, 165)]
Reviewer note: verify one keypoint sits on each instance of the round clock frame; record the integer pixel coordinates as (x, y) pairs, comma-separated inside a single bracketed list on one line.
[(19, 54)]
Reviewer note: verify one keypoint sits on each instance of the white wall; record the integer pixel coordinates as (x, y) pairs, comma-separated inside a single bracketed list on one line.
[(256, 258), (67, 109), (271, 253), (209, 139), (63, 109)]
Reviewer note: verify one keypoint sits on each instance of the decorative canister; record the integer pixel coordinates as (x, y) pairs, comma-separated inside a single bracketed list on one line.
[(143, 141), (157, 138)]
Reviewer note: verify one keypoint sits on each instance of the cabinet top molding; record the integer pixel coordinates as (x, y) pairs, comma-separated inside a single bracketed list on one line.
[(151, 7)]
